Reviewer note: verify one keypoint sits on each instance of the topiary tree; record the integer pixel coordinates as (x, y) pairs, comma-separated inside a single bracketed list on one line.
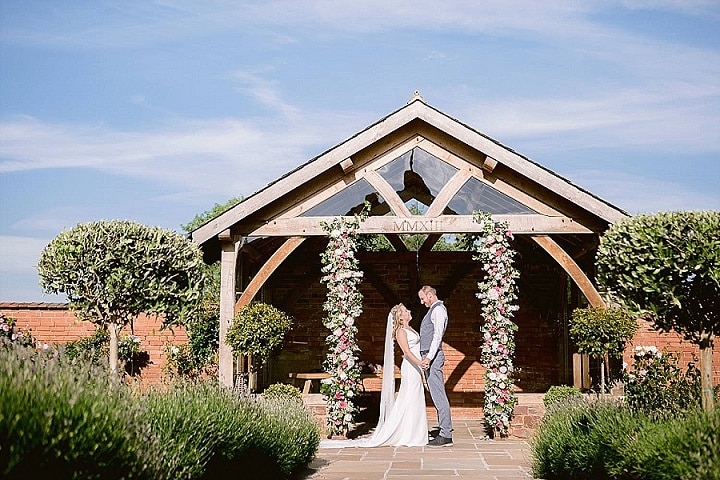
[(257, 331), (602, 332), (112, 271), (666, 266)]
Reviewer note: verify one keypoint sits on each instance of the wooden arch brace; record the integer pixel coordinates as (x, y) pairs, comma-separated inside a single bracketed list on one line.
[(572, 269), (267, 269)]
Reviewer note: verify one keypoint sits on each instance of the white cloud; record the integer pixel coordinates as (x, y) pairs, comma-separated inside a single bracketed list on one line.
[(133, 23), (230, 153), (19, 281), (20, 255), (676, 118), (639, 194)]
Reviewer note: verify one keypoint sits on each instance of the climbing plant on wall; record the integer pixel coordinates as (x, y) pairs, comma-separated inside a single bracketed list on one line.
[(497, 292), (343, 306)]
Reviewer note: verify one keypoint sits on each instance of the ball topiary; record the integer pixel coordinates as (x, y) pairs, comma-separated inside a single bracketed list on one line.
[(258, 330), (284, 391)]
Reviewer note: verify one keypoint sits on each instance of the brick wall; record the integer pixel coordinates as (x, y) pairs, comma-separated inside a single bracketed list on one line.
[(55, 324), (538, 341), (686, 351)]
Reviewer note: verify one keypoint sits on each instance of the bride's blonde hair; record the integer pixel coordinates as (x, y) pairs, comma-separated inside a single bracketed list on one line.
[(397, 321)]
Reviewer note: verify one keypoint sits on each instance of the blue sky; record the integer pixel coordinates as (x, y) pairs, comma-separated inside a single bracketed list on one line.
[(155, 111)]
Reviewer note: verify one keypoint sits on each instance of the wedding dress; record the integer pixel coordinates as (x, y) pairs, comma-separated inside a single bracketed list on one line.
[(403, 420)]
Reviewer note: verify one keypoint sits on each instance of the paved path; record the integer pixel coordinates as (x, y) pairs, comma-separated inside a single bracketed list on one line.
[(471, 456)]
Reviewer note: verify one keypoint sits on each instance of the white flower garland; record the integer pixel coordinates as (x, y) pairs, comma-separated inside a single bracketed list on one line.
[(343, 306), (497, 292)]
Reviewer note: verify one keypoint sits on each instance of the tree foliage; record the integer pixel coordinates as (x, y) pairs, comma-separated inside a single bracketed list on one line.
[(602, 332), (258, 330), (217, 209), (667, 264), (667, 267), (112, 271)]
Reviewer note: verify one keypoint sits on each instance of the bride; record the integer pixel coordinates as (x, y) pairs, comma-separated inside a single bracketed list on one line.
[(403, 420)]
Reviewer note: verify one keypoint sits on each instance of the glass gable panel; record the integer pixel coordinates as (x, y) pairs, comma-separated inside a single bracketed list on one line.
[(346, 202), (477, 196), (417, 174)]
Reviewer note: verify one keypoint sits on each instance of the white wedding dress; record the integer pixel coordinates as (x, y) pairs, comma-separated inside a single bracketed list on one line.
[(406, 422)]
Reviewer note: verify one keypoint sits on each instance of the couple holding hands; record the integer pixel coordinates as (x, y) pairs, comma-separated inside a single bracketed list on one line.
[(403, 419)]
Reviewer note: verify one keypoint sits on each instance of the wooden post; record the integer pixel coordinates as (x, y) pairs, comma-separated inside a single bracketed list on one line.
[(228, 265)]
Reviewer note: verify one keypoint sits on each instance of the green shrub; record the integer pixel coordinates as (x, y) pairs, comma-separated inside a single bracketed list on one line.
[(62, 420), (208, 432), (283, 390), (582, 440), (687, 447), (608, 440), (11, 333), (657, 386), (258, 330), (92, 349), (558, 393), (95, 349), (288, 432)]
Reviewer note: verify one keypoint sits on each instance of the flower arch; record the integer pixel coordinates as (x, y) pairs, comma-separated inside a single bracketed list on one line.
[(497, 292)]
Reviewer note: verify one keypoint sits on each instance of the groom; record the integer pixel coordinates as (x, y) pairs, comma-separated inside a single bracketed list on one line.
[(432, 329)]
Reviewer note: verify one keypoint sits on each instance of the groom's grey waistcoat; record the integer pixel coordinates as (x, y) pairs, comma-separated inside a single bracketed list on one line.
[(427, 329)]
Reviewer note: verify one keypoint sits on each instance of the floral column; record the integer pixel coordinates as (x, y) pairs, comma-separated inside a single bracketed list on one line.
[(343, 307), (497, 291)]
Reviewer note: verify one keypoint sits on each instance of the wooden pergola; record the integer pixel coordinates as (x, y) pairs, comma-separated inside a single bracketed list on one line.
[(415, 154)]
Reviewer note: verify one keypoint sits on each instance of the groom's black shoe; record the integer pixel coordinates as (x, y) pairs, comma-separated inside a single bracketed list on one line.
[(440, 441)]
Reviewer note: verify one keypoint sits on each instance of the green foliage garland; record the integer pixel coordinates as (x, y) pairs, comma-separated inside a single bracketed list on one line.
[(343, 306), (497, 291)]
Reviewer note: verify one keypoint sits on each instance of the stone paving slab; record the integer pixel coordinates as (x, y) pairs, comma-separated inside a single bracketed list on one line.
[(471, 456)]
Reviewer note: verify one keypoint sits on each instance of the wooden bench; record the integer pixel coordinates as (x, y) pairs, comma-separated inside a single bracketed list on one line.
[(310, 377)]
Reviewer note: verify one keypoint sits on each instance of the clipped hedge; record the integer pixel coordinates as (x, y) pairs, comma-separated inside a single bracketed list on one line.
[(65, 420)]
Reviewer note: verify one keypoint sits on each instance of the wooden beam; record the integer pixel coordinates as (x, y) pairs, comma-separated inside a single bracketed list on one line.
[(228, 268), (346, 165), (572, 268), (429, 242), (396, 242), (267, 269), (386, 191), (447, 193), (489, 164), (519, 224)]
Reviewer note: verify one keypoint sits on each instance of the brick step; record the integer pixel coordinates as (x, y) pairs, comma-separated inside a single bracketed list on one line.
[(528, 412)]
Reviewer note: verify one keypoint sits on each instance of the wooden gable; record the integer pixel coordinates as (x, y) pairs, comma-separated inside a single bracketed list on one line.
[(469, 162)]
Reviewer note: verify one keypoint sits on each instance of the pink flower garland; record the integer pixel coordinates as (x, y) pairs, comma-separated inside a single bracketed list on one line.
[(343, 306), (497, 291)]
